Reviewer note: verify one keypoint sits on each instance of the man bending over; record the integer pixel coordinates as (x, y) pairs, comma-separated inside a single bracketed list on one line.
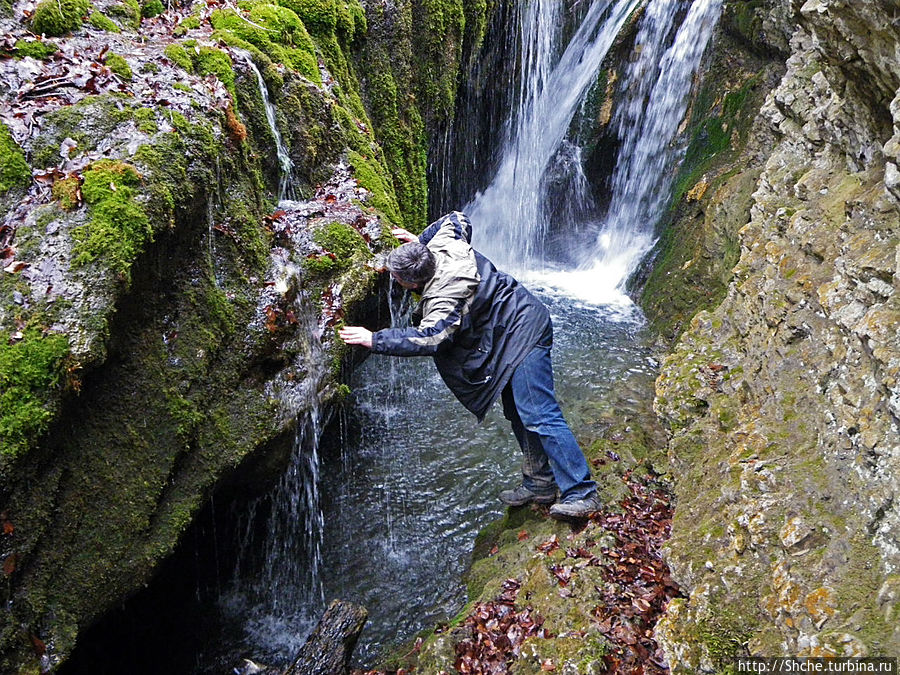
[(489, 337)]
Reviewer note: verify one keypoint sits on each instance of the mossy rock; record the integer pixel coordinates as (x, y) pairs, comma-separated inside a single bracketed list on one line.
[(203, 60), (278, 33), (119, 227), (100, 21), (35, 48), (127, 12), (30, 368), (58, 17), (67, 192), (14, 170), (186, 24), (343, 245), (119, 66), (152, 8), (319, 16), (351, 21), (372, 177)]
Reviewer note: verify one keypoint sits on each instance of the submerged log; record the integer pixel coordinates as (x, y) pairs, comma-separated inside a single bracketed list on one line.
[(330, 647)]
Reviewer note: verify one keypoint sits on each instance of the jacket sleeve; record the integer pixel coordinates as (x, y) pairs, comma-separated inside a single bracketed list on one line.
[(441, 320), (454, 224)]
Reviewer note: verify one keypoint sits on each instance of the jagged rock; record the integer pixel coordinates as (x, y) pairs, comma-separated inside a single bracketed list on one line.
[(788, 464)]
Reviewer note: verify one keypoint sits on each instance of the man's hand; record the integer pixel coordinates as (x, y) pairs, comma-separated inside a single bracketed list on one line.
[(356, 335), (404, 235)]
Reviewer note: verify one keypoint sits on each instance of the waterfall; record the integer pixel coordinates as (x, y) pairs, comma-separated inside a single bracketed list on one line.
[(647, 124), (513, 214), (511, 210), (285, 165)]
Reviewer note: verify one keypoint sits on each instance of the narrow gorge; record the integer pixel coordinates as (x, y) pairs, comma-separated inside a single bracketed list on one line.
[(194, 196)]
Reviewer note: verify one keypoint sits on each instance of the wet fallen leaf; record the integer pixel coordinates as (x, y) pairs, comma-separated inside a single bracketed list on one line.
[(9, 564), (15, 266), (549, 546)]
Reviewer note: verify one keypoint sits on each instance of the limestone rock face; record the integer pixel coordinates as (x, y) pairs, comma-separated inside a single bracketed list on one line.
[(783, 402)]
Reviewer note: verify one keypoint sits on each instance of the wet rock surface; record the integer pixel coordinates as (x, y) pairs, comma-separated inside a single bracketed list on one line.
[(165, 317)]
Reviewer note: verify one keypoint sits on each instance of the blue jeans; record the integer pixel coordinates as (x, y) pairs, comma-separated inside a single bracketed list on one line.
[(552, 457)]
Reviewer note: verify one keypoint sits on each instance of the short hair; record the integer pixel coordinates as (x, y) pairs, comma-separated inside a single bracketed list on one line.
[(412, 262)]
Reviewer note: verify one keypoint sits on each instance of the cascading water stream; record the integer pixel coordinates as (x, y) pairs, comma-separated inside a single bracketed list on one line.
[(285, 165), (647, 124), (511, 209)]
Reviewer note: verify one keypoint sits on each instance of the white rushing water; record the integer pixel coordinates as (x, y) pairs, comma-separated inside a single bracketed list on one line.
[(513, 212), (511, 209)]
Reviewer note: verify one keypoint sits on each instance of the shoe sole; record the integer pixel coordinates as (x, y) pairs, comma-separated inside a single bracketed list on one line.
[(536, 500)]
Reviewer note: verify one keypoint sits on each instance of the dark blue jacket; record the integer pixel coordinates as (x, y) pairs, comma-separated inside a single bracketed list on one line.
[(477, 322)]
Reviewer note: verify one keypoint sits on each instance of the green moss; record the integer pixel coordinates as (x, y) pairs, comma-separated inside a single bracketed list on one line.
[(370, 176), (275, 31), (177, 54), (442, 23), (724, 637), (66, 192), (152, 8), (119, 228), (212, 61), (36, 49), (145, 118), (58, 17), (128, 13), (119, 66), (184, 413), (401, 130), (351, 21), (100, 21), (341, 241), (186, 24), (29, 369), (319, 16), (14, 170), (181, 86)]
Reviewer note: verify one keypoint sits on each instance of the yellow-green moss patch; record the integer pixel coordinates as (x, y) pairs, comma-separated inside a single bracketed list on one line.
[(100, 21), (370, 175), (275, 31), (58, 17), (119, 66), (35, 48)]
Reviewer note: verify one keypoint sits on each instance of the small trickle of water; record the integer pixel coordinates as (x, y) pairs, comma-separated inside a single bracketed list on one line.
[(286, 166), (277, 591)]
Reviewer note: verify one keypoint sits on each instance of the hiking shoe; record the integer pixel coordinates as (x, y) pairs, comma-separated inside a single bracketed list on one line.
[(522, 496), (577, 508)]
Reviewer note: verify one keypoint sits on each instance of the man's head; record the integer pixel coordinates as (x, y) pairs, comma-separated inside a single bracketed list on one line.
[(411, 264)]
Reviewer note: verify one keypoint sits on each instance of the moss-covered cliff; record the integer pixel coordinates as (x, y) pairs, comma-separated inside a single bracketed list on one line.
[(781, 397), (160, 321)]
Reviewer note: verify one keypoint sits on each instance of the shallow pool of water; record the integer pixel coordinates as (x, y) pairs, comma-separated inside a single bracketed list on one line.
[(417, 477)]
